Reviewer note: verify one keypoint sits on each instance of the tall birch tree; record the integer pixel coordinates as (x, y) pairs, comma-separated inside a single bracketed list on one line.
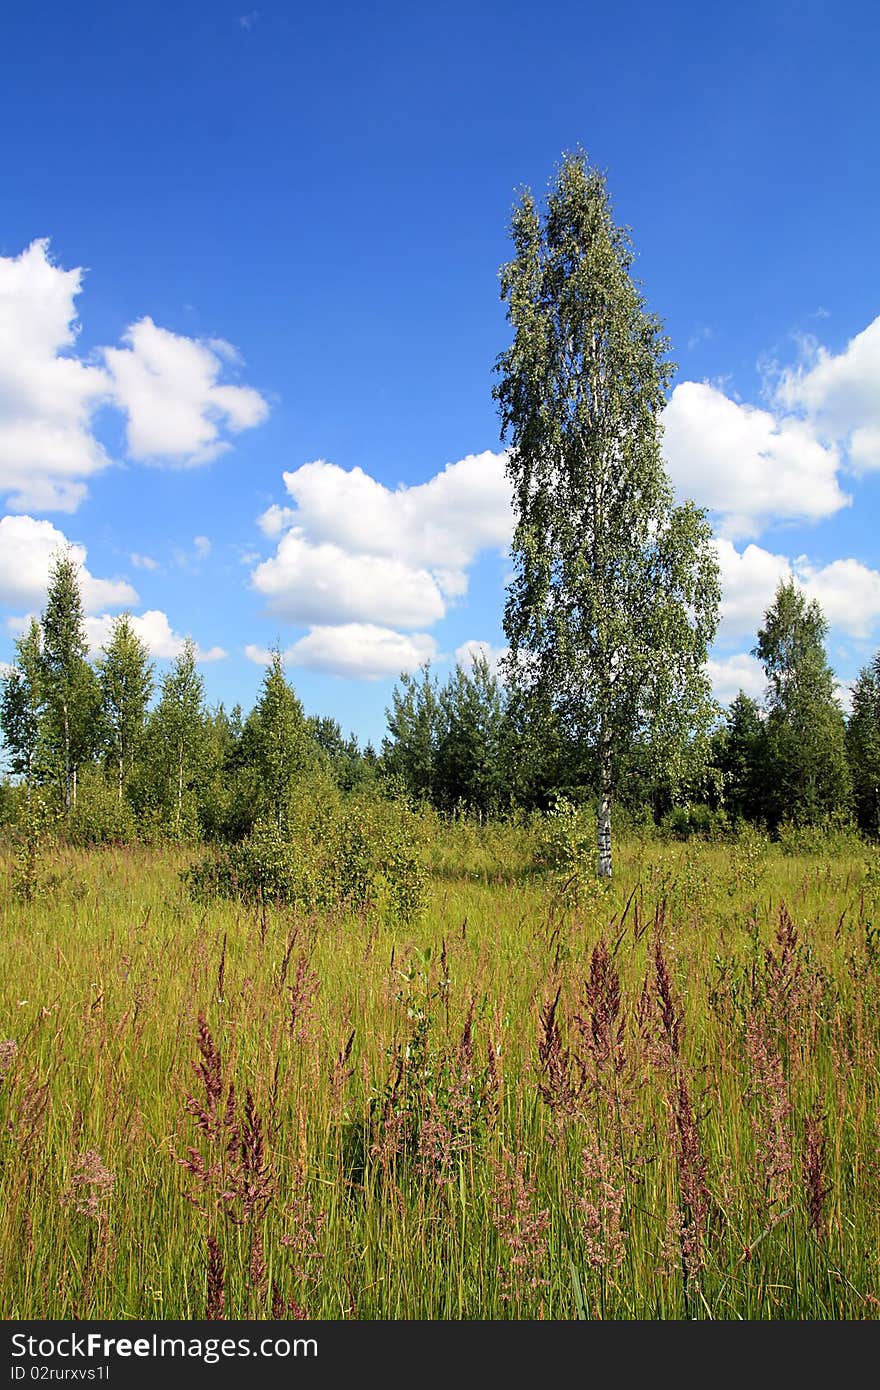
[(615, 594)]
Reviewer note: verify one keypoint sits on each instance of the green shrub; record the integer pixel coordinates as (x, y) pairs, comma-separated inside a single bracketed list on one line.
[(831, 836), (684, 822), (352, 856), (99, 817)]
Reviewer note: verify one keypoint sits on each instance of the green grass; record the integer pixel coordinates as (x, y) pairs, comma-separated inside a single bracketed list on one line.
[(440, 1170)]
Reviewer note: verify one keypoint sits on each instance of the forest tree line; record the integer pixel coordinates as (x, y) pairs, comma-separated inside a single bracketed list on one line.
[(118, 755)]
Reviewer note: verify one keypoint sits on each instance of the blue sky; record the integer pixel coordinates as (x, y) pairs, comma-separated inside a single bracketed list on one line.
[(249, 309)]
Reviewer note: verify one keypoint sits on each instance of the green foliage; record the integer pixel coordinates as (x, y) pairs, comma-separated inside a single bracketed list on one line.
[(69, 690), (439, 1104), (836, 834), (704, 822), (99, 817), (568, 852), (470, 751), (277, 737), (353, 856), (34, 831), (177, 736), (806, 772), (351, 769), (125, 678), (740, 755), (863, 746), (21, 705), (410, 753)]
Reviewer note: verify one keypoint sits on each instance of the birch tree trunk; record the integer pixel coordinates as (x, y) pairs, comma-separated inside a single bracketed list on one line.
[(66, 760), (603, 818)]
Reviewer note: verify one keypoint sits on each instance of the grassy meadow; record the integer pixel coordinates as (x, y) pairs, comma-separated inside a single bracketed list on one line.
[(655, 1100)]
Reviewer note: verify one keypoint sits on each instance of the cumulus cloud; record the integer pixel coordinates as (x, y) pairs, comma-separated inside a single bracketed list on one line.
[(356, 560), (441, 524), (754, 466), (178, 408), (47, 396), (154, 629), (169, 387), (143, 562), (747, 465), (731, 674), (847, 591), (840, 394), (29, 547), (365, 651), (320, 583), (749, 579)]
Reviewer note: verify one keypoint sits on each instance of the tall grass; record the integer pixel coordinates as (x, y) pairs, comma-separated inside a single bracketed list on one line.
[(659, 1100)]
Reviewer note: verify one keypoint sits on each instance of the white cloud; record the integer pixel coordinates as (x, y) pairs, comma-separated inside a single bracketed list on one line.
[(354, 552), (47, 395), (261, 655), (440, 525), (178, 408), (202, 547), (847, 591), (748, 466), (276, 519), (143, 562), (467, 653), (169, 387), (154, 629), (753, 467), (749, 579), (840, 393), (322, 583), (364, 651), (28, 548), (731, 674)]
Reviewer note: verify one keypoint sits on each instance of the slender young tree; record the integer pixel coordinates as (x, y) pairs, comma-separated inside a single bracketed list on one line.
[(71, 698), (21, 705), (615, 595), (280, 737), (414, 727), (125, 678), (807, 775), (470, 765), (179, 725)]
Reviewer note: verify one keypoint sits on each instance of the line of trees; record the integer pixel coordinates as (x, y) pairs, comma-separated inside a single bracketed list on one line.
[(791, 758), (119, 763), (115, 765)]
